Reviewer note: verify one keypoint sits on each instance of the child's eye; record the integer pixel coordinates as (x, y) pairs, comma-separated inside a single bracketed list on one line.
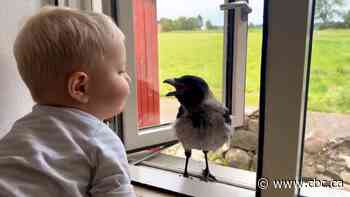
[(121, 72)]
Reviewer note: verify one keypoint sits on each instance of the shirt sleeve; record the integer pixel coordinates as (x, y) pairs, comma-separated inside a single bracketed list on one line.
[(112, 186), (111, 174)]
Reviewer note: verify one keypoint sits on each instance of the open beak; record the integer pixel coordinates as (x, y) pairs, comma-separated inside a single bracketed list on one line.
[(173, 83)]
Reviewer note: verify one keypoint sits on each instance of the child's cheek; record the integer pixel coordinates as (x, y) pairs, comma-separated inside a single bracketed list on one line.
[(120, 94)]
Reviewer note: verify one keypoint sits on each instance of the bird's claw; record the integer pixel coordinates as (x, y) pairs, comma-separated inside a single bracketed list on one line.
[(186, 175), (207, 176)]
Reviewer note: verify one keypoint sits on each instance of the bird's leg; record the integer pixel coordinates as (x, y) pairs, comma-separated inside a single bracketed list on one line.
[(188, 155), (206, 173)]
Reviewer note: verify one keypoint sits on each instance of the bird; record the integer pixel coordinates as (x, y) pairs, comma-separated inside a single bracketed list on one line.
[(202, 122)]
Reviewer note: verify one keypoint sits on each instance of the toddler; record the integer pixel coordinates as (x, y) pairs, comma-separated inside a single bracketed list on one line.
[(74, 64)]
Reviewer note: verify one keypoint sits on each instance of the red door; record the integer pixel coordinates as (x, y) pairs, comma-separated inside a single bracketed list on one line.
[(147, 72)]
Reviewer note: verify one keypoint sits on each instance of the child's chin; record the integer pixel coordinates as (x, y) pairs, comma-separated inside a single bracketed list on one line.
[(110, 114), (118, 109)]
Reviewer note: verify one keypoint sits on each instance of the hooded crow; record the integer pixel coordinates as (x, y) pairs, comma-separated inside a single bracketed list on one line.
[(202, 122)]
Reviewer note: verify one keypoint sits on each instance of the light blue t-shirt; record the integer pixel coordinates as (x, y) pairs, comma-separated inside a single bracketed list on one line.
[(56, 151)]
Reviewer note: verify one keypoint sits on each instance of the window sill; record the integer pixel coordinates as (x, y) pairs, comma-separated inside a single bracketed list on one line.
[(323, 192), (176, 183), (164, 172)]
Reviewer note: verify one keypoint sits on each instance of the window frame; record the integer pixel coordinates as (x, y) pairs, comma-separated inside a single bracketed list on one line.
[(283, 67), (273, 97), (234, 71), (146, 137), (235, 37), (135, 139), (233, 58), (90, 5)]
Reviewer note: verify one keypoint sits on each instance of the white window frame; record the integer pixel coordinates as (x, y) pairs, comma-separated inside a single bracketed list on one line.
[(239, 60), (134, 138), (151, 136), (284, 64), (284, 70), (90, 5)]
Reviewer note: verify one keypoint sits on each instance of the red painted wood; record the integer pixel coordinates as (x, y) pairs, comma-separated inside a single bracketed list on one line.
[(147, 69), (152, 58)]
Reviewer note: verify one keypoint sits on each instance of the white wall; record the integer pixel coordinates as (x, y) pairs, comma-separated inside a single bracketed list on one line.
[(15, 99)]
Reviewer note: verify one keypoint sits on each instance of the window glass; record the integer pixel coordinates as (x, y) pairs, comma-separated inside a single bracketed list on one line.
[(204, 47), (327, 137), (175, 38)]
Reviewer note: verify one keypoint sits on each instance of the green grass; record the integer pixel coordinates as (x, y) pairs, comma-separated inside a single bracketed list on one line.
[(200, 53), (330, 72), (195, 53)]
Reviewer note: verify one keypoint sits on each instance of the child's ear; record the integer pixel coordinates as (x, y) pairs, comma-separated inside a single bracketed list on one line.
[(78, 86)]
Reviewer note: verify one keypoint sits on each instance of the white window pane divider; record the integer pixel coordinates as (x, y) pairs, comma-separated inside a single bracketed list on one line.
[(286, 45), (133, 137), (239, 66)]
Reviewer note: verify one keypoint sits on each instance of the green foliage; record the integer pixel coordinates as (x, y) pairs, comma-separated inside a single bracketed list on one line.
[(200, 53), (181, 23), (327, 10), (210, 26), (332, 25), (167, 24), (346, 19)]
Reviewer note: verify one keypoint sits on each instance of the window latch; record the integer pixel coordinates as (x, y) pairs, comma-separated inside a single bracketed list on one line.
[(243, 5)]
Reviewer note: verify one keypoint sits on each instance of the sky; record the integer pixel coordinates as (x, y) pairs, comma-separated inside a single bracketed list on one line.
[(209, 9)]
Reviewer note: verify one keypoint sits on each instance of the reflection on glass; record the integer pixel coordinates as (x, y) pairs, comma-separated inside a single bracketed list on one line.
[(327, 139)]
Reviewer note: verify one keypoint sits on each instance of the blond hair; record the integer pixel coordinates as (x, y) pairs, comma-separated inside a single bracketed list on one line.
[(56, 41)]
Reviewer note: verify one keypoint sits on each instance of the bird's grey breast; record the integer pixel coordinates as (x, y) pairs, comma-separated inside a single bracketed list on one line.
[(206, 129)]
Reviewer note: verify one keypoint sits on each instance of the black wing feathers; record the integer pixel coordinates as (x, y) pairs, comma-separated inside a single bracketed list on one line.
[(227, 117), (180, 112)]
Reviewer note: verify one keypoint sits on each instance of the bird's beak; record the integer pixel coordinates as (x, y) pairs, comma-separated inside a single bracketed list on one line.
[(173, 83)]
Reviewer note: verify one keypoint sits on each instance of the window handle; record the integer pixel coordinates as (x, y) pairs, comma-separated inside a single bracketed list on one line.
[(243, 5)]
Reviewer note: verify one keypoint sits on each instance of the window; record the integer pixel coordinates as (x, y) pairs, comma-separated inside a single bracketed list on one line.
[(326, 154), (214, 49), (286, 65), (95, 6), (284, 76), (285, 54), (156, 53)]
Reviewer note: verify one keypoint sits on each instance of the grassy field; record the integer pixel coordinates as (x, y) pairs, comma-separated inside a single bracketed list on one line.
[(200, 53)]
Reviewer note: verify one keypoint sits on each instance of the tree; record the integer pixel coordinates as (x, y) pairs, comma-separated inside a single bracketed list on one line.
[(180, 23), (184, 23), (346, 19), (191, 23), (327, 10), (167, 24), (209, 25)]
